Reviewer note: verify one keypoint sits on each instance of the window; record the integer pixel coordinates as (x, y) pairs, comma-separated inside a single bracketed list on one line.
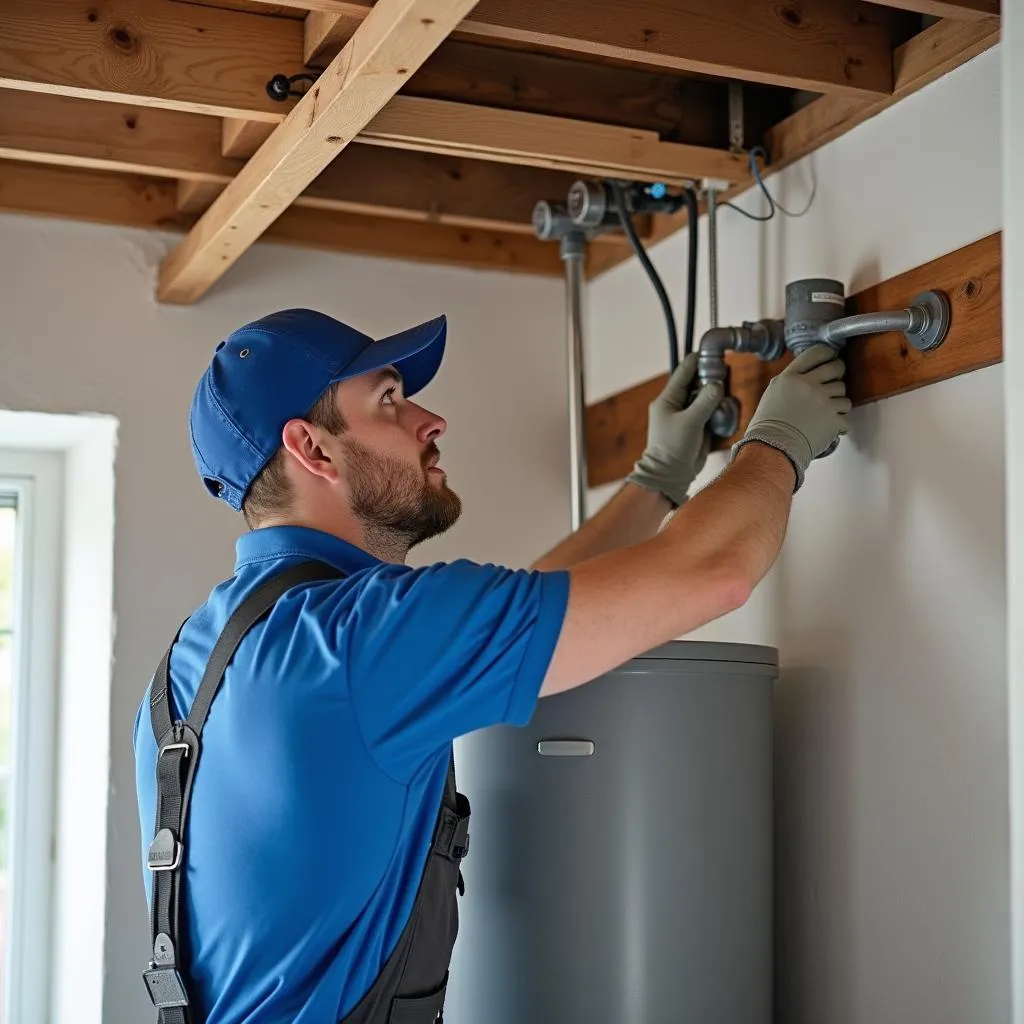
[(30, 518), (8, 527)]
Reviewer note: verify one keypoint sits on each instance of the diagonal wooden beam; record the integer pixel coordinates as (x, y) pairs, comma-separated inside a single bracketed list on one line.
[(879, 365), (136, 201), (823, 45), (393, 41), (187, 147)]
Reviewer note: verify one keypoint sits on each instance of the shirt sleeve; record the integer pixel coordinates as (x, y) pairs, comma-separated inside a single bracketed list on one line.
[(434, 653)]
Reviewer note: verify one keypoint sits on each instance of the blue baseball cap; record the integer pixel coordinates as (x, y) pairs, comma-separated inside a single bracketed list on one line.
[(275, 369)]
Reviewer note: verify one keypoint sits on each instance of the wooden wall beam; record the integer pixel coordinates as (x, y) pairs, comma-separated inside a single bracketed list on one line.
[(393, 41), (136, 201), (878, 366), (367, 179), (823, 45)]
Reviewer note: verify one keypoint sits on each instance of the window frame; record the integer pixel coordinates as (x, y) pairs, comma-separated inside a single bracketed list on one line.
[(36, 479)]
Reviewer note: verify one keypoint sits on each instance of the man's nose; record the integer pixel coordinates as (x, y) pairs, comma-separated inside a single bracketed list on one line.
[(430, 425)]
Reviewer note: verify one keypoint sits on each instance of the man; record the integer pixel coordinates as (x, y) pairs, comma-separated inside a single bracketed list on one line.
[(313, 877)]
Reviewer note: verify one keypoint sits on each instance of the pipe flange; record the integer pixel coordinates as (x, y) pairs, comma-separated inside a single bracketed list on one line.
[(936, 326)]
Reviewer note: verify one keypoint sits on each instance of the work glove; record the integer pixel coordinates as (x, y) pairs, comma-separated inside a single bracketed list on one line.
[(677, 439), (804, 410)]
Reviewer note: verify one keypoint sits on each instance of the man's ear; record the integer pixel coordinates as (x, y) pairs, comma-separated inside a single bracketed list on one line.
[(302, 440)]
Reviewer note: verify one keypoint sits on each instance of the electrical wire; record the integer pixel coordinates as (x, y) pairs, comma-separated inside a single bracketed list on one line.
[(641, 254), (773, 203)]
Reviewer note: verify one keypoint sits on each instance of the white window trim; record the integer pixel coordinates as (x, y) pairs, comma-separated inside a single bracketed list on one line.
[(85, 446), (35, 480)]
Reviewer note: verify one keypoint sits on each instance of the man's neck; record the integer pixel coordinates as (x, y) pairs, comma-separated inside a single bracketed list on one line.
[(383, 544)]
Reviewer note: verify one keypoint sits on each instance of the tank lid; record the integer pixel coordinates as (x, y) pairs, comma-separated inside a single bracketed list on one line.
[(700, 650)]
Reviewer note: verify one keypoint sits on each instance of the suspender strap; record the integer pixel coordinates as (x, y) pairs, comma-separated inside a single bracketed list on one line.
[(178, 750)]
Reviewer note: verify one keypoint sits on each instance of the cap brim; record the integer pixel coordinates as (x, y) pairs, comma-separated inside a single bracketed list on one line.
[(415, 353)]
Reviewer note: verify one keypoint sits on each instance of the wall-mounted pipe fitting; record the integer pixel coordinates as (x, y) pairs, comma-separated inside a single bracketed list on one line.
[(814, 308), (763, 338)]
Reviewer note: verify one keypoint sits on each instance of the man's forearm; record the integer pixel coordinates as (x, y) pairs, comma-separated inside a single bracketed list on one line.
[(704, 564), (744, 519), (633, 514)]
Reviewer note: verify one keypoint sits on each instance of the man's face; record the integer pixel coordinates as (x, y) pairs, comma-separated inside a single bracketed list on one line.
[(391, 459)]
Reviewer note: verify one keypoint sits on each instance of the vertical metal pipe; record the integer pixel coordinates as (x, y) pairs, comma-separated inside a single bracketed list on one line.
[(572, 248), (713, 256)]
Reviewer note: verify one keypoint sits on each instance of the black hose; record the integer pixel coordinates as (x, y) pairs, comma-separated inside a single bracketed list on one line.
[(692, 229), (641, 253)]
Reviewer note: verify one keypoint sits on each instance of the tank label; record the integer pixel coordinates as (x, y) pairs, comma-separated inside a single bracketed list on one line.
[(836, 300)]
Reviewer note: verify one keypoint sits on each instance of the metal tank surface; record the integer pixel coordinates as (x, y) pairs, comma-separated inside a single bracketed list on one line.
[(620, 865)]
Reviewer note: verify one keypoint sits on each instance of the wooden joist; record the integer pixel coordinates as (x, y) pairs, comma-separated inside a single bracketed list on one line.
[(135, 201), (878, 366), (511, 136), (839, 46), (926, 57), (965, 10), (187, 147)]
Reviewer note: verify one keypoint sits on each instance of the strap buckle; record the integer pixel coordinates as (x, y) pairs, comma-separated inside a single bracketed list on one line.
[(164, 852), (165, 987), (175, 746), (453, 835)]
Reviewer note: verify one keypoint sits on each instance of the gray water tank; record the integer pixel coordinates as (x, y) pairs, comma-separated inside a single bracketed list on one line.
[(627, 882)]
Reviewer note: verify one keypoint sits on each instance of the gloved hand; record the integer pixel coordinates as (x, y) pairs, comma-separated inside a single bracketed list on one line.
[(677, 441), (804, 409)]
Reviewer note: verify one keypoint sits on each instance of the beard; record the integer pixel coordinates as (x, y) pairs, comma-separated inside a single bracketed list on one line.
[(395, 501)]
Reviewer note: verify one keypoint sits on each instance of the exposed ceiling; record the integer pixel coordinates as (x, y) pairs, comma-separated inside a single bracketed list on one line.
[(428, 129)]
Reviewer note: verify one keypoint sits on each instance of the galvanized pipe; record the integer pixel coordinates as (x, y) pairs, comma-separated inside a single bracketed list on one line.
[(712, 256), (573, 248)]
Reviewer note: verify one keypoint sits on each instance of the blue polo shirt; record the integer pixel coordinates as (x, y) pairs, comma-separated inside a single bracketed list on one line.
[(324, 761)]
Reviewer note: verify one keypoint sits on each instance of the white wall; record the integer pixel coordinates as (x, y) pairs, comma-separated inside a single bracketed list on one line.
[(888, 602), (1013, 349), (82, 333)]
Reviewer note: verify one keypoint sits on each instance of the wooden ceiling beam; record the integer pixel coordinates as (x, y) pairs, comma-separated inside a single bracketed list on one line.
[(842, 46), (393, 41), (921, 60), (511, 136), (187, 147), (212, 61), (962, 10), (136, 201), (178, 56)]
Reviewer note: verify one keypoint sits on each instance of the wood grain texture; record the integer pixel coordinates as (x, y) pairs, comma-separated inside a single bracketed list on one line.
[(111, 136), (241, 138), (823, 45), (152, 52), (964, 10), (918, 62), (136, 201), (365, 179), (390, 44), (537, 140), (878, 366)]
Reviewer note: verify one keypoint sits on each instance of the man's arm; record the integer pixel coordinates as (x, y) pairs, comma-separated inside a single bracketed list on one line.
[(718, 547), (676, 450), (631, 515)]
